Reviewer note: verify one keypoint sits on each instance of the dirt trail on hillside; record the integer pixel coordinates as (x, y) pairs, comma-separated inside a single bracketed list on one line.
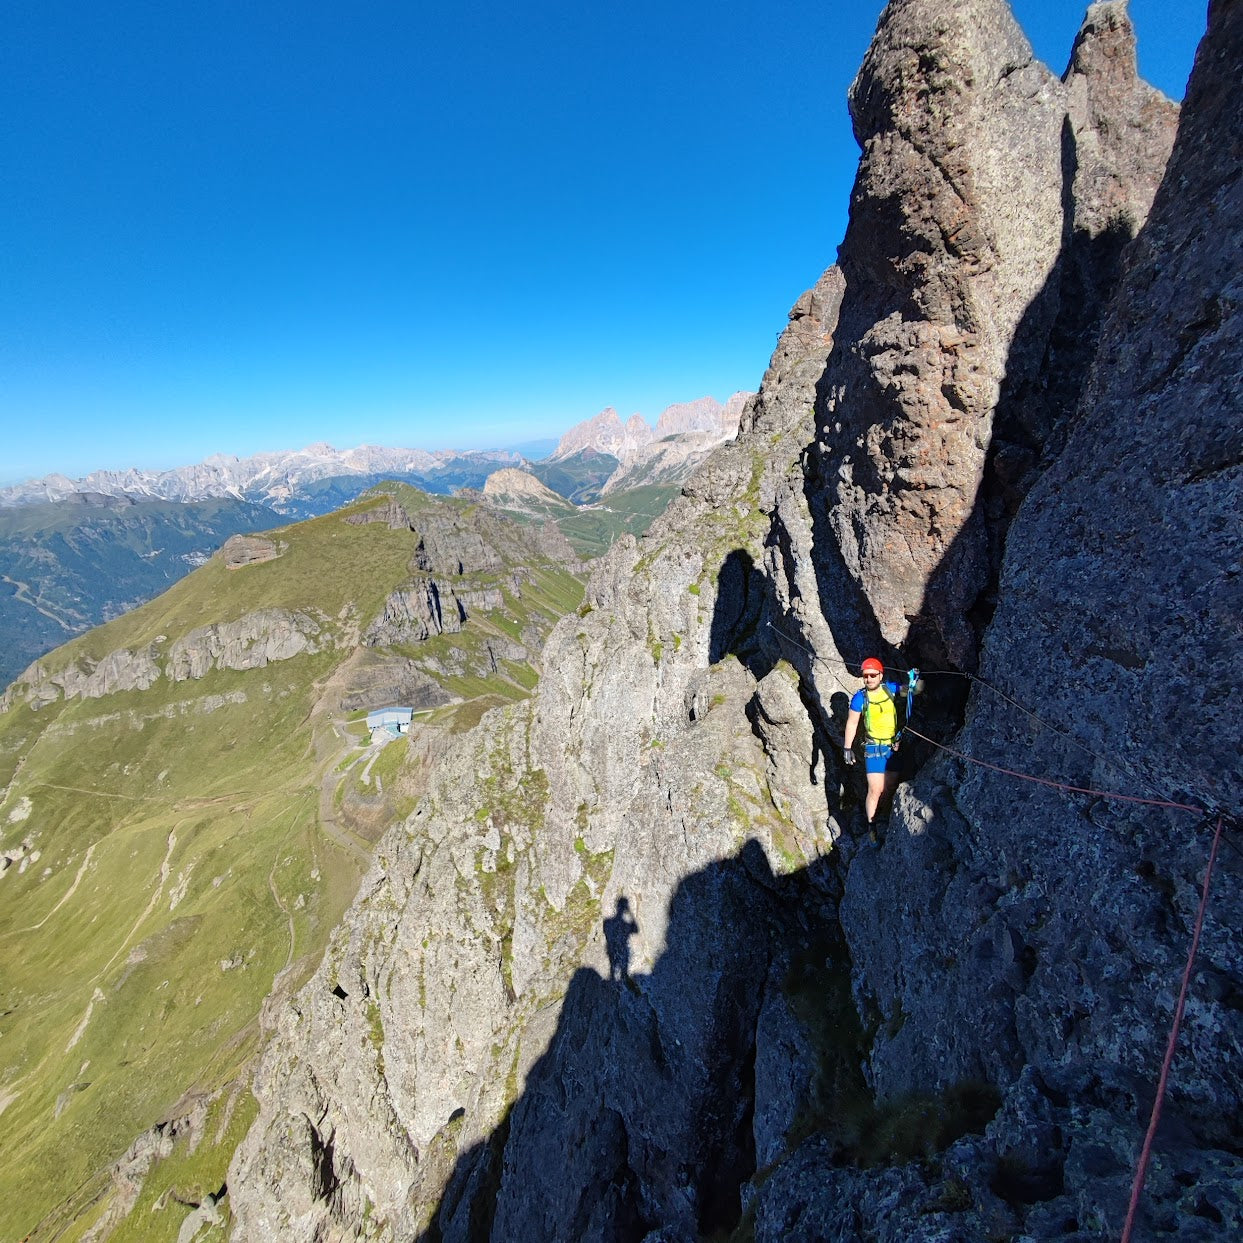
[(24, 595), (328, 783), (276, 897)]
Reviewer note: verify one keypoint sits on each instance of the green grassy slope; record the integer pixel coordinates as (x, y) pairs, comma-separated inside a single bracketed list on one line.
[(629, 512), (178, 850), (593, 528)]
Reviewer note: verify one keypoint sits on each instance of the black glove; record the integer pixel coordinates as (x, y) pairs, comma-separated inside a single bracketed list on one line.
[(848, 755)]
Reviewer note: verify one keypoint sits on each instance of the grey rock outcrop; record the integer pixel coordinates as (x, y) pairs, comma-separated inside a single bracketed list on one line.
[(389, 512), (416, 613), (638, 769), (128, 1174), (669, 460), (520, 487), (1042, 947), (251, 642), (449, 547), (240, 550), (380, 679), (629, 948), (118, 671)]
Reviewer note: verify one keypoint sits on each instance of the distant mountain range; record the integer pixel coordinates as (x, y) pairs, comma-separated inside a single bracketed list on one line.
[(78, 552), (304, 483), (68, 565), (298, 483), (606, 433)]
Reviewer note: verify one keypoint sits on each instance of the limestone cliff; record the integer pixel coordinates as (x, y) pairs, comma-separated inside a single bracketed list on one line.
[(631, 970)]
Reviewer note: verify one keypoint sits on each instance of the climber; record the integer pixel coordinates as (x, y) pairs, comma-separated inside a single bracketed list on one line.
[(877, 706)]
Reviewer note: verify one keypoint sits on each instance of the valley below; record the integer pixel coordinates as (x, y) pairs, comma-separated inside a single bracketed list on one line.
[(180, 835), (598, 944)]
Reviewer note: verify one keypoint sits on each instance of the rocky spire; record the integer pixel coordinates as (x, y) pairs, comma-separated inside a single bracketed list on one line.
[(982, 176), (472, 1059)]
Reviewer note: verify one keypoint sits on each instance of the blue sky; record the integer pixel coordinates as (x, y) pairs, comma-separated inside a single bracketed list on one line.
[(254, 225)]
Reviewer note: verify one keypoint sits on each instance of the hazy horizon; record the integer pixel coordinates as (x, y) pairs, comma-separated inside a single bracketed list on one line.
[(523, 444)]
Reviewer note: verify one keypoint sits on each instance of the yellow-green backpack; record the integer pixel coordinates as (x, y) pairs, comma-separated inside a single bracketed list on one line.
[(880, 715)]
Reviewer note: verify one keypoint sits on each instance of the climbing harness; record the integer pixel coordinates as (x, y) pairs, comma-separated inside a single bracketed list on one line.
[(1114, 763)]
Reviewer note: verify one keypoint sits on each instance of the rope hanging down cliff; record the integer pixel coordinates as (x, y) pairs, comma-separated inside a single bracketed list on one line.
[(1141, 1169)]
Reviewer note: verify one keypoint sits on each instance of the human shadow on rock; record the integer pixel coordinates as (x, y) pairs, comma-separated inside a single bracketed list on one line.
[(640, 1113), (618, 929)]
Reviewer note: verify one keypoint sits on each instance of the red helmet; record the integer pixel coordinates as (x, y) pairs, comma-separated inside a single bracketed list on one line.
[(872, 665)]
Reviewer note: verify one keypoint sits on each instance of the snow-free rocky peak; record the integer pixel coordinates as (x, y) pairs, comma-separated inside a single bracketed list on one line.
[(633, 970)]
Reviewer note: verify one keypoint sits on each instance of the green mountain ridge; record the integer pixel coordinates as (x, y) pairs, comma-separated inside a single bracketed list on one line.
[(190, 799), (579, 478), (68, 565), (592, 528)]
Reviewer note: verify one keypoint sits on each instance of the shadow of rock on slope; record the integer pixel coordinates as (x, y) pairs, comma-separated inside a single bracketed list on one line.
[(743, 605)]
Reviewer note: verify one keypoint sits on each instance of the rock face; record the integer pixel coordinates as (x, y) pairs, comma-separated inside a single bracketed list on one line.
[(556, 843), (673, 458), (521, 486), (631, 970), (1151, 471), (390, 512), (982, 182), (240, 550), (1068, 920), (705, 415), (605, 433), (418, 612), (380, 679), (250, 642)]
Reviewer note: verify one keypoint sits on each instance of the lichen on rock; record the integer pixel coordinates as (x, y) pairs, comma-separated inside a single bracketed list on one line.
[(578, 995)]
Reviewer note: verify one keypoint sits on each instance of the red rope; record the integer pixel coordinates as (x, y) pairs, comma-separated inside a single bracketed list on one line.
[(1145, 1156), (1057, 785), (1142, 1169)]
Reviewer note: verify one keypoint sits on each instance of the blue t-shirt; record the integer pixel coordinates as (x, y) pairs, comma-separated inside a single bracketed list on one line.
[(857, 700)]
